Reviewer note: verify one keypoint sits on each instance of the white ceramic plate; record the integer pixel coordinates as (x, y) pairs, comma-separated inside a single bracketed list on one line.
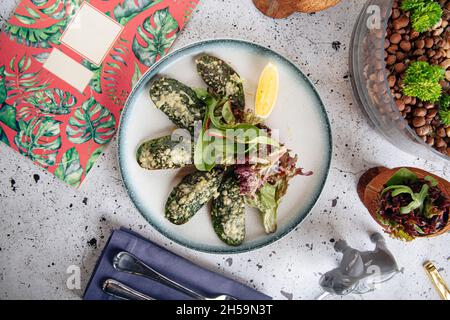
[(299, 115)]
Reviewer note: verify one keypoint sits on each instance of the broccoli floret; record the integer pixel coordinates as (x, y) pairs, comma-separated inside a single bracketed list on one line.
[(422, 81), (423, 19), (444, 110), (424, 13), (444, 115), (445, 101), (408, 5)]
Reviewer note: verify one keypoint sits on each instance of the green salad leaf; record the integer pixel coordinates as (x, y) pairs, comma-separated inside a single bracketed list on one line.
[(395, 229), (396, 190), (201, 146), (431, 180), (419, 229), (397, 185), (266, 200), (430, 210), (227, 113), (418, 200), (220, 137), (402, 176)]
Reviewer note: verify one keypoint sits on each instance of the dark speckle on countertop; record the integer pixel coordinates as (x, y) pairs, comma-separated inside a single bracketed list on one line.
[(92, 242), (288, 295), (13, 184), (36, 177), (229, 261), (336, 45), (334, 202), (85, 200)]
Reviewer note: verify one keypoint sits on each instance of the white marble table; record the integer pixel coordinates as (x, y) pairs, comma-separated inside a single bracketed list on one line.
[(46, 226)]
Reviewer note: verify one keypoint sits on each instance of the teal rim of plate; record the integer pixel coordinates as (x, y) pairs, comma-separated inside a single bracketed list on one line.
[(268, 240)]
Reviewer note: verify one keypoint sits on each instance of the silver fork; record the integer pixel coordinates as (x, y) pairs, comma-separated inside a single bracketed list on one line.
[(126, 262), (121, 291)]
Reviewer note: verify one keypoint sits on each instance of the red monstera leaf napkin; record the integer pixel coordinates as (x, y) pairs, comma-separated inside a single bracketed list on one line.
[(61, 95)]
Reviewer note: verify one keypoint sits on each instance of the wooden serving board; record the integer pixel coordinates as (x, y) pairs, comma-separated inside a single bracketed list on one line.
[(371, 184), (283, 8)]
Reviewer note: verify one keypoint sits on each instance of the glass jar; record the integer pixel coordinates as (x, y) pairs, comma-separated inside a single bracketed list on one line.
[(370, 85)]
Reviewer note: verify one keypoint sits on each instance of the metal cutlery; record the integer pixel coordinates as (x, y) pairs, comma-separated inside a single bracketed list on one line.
[(126, 262), (121, 291)]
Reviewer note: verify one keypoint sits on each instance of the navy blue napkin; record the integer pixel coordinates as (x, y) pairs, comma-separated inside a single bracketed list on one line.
[(166, 262)]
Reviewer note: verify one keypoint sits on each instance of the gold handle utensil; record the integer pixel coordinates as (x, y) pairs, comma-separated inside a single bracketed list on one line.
[(437, 280)]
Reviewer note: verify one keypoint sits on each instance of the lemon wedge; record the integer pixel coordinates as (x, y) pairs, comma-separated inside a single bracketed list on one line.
[(267, 93)]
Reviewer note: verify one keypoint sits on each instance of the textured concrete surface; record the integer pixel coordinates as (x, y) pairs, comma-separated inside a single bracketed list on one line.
[(46, 226)]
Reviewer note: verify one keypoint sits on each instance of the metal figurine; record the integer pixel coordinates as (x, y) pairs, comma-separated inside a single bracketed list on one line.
[(359, 271)]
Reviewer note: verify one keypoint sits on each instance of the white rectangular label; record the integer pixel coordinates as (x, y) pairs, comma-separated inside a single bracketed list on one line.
[(91, 33), (68, 70)]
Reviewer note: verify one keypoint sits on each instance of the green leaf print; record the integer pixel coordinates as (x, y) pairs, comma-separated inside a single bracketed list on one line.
[(69, 169), (8, 116), (160, 41), (34, 37), (3, 137), (21, 82), (39, 139), (95, 82), (41, 57), (93, 158), (39, 3), (128, 9), (21, 64), (136, 76), (62, 10), (33, 13), (3, 93), (112, 71), (25, 19), (53, 101), (57, 10), (91, 121)]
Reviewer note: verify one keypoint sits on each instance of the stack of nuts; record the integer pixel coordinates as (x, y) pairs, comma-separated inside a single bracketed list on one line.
[(403, 45)]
